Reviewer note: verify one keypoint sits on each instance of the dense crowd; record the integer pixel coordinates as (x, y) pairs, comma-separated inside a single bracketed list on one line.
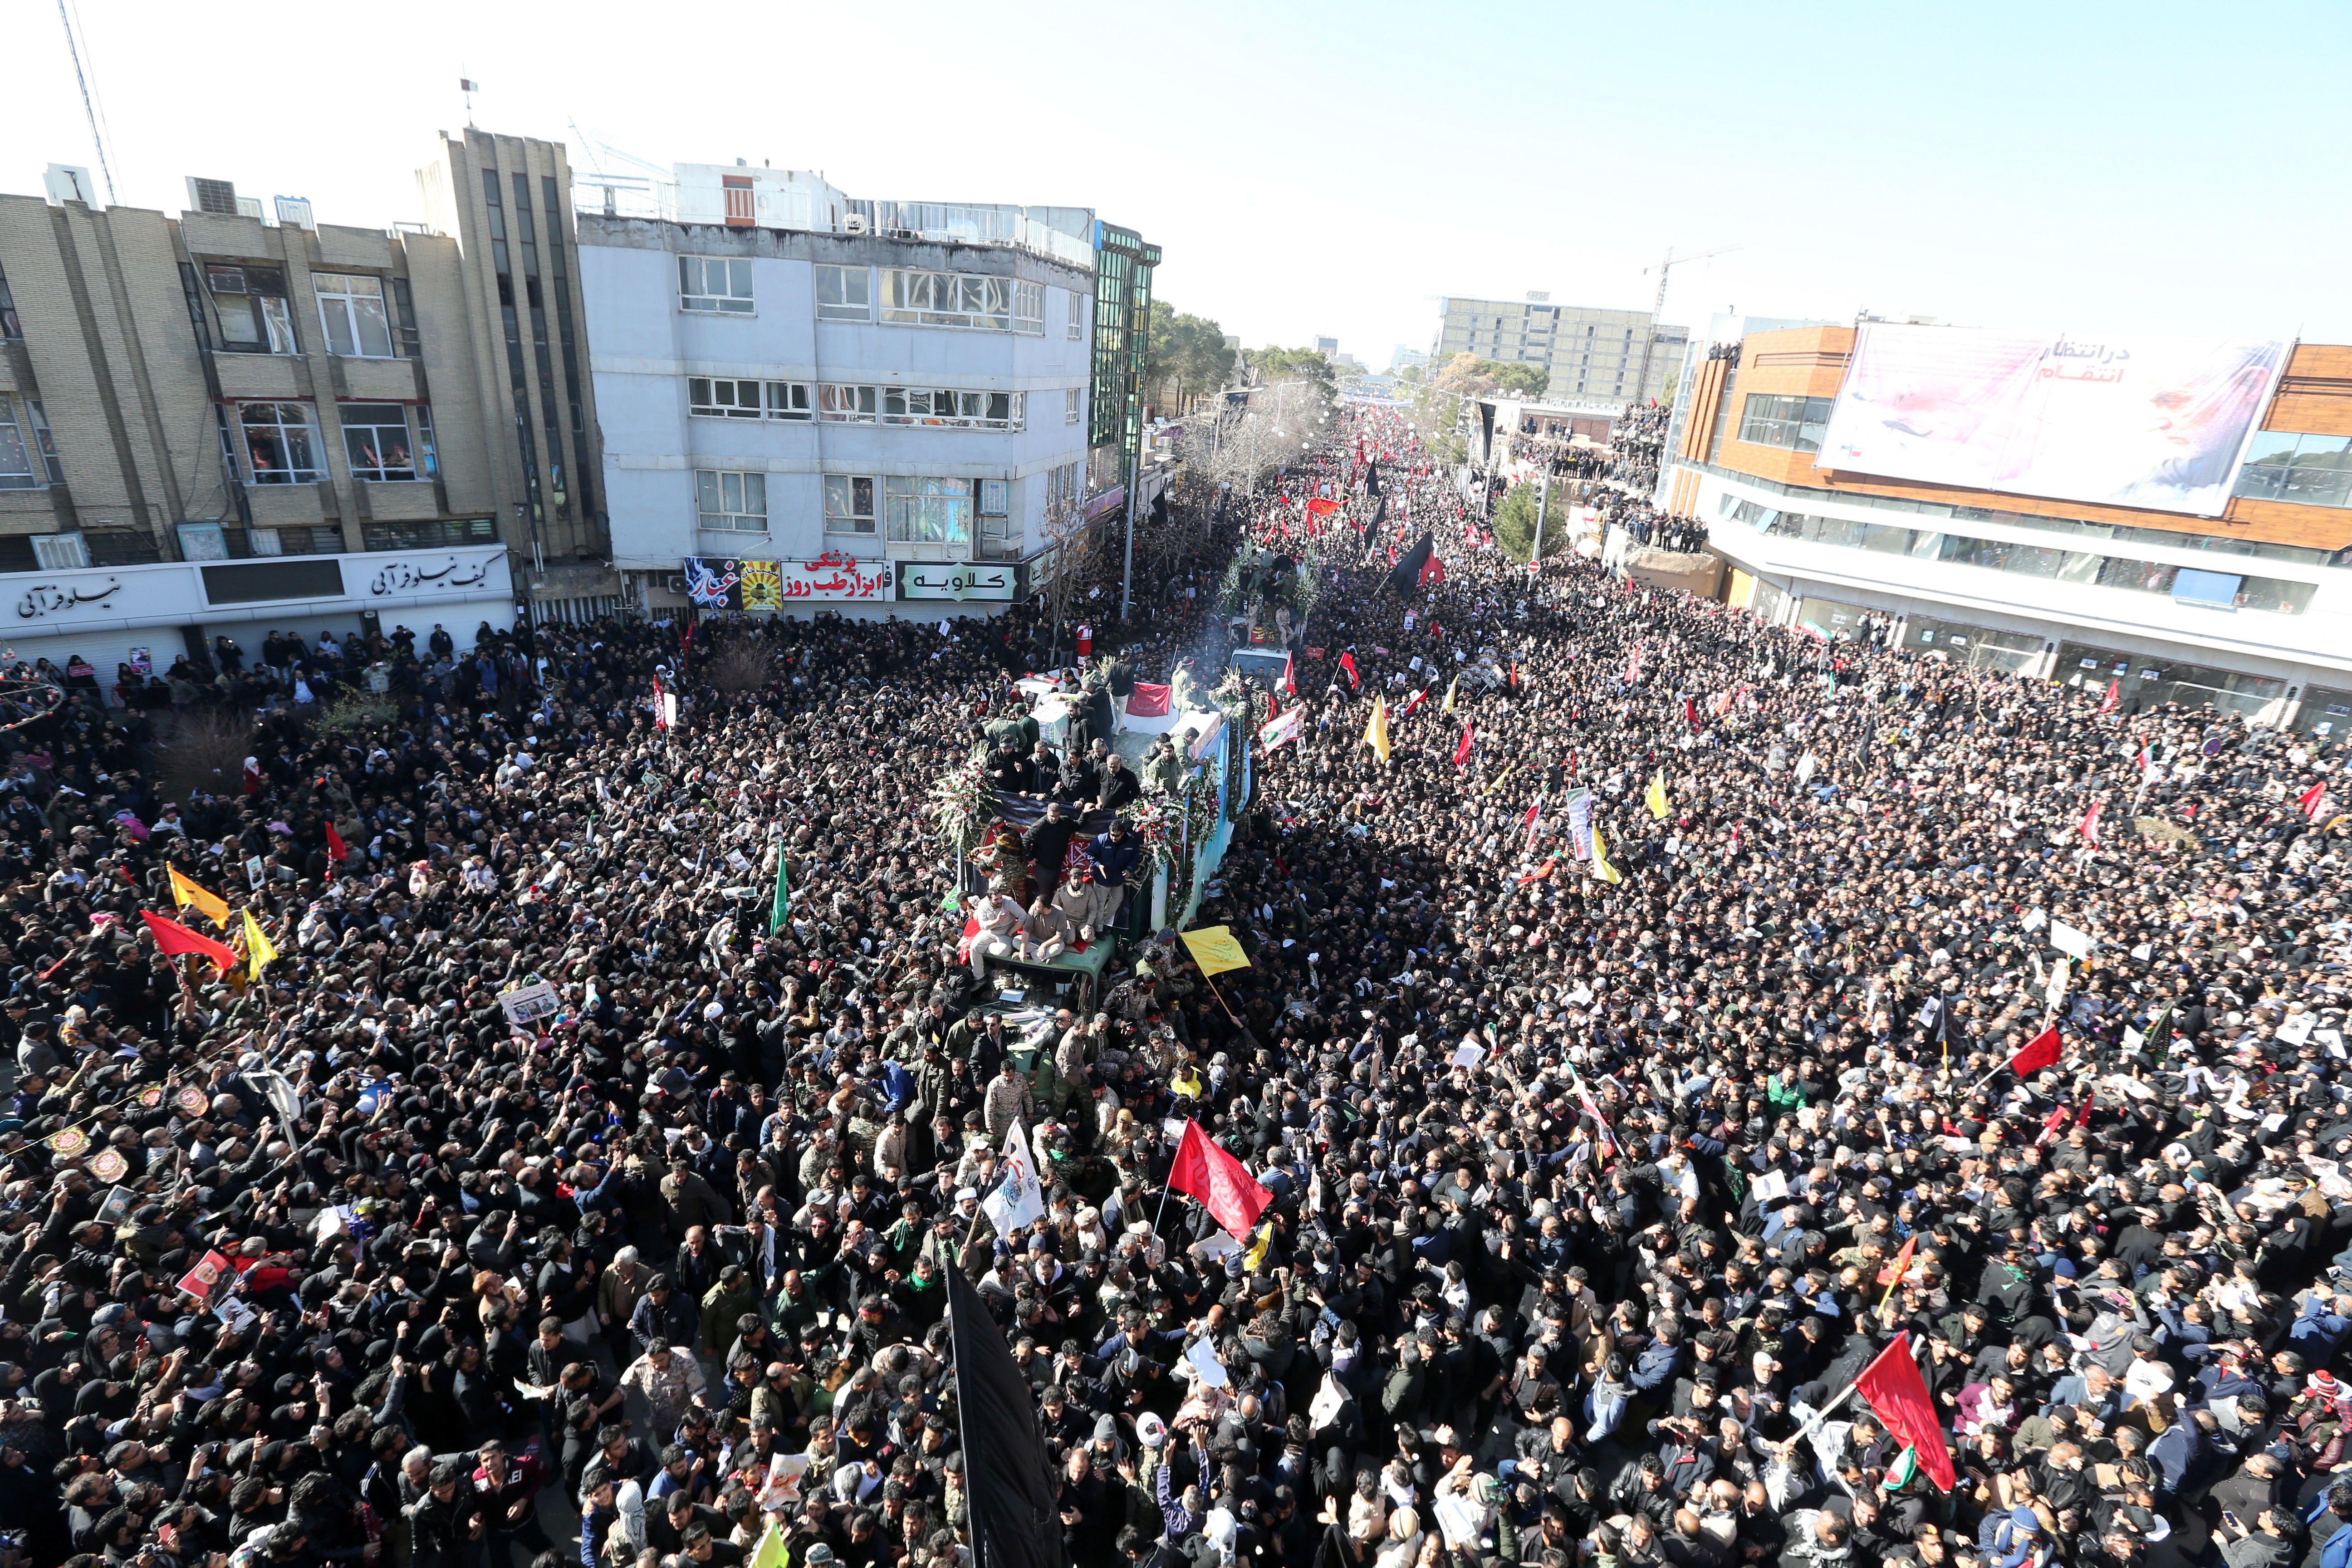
[(1589, 1129)]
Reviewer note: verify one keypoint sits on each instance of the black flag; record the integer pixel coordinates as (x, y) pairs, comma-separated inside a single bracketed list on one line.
[(1371, 479), (1407, 575), (1005, 1476)]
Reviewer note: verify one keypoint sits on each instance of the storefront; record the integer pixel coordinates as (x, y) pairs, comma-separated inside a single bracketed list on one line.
[(2324, 711), (1978, 647), (2146, 681), (1831, 618), (147, 616)]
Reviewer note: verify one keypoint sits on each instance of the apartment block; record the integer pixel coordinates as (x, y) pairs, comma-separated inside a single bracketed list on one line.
[(1588, 353)]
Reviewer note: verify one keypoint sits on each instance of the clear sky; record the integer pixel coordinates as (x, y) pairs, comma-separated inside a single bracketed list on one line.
[(1322, 168)]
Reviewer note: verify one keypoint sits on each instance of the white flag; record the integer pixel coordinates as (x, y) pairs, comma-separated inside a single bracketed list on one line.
[(1282, 727), (1015, 1200)]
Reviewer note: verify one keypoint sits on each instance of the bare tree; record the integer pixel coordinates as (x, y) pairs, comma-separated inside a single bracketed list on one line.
[(207, 750), (745, 664)]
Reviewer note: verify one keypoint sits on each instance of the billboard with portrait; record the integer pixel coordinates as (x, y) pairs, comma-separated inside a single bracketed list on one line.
[(2161, 423)]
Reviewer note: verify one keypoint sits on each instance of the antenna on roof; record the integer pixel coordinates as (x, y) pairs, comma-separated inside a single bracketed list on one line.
[(88, 108), (469, 87)]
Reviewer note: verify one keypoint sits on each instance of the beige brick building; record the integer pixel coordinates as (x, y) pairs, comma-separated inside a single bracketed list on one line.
[(347, 405)]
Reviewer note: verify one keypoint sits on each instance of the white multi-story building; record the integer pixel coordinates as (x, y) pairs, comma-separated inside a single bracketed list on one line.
[(786, 374)]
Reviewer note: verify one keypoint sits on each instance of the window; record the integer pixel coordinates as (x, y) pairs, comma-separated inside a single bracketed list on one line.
[(2219, 588), (714, 283), (1074, 405), (2283, 465), (427, 533), (17, 470), (350, 309), (428, 457), (722, 399), (994, 497), (844, 293), (966, 410), (732, 503), (1078, 314), (788, 400), (848, 504), (277, 445), (250, 302), (10, 327), (1794, 424), (947, 300), (1029, 308), (846, 404), (375, 441), (927, 511), (738, 191)]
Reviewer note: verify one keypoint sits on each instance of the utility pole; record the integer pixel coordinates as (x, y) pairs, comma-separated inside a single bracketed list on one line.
[(1543, 500), (1658, 308)]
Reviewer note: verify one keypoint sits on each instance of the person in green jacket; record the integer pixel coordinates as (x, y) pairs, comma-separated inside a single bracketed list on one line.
[(726, 1300)]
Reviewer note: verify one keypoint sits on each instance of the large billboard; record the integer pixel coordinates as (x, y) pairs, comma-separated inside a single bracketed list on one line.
[(736, 584), (2158, 422)]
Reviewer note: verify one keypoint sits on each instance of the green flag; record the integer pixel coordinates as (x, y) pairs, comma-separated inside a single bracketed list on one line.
[(782, 905)]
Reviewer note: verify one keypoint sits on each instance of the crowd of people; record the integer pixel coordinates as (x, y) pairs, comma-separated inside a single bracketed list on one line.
[(1622, 1053)]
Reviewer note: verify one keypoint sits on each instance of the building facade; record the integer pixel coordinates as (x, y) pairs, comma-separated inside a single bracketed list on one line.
[(818, 383), (235, 417), (1588, 354), (2250, 610)]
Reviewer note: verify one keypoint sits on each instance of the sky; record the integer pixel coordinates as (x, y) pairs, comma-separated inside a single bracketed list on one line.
[(1317, 169)]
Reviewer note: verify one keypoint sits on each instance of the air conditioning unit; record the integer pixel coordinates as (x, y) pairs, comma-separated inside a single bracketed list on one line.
[(294, 212), (674, 585), (250, 206), (211, 196), (904, 234), (854, 223)]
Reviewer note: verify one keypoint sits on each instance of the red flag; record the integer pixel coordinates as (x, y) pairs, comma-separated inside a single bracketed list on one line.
[(1541, 873), (1290, 675), (2311, 800), (1690, 713), (971, 931), (1417, 699), (175, 939), (2115, 697), (1321, 507), (1433, 571), (1149, 701), (1348, 663), (337, 850), (1462, 752), (1898, 1396), (1892, 1275), (1231, 1194), (1633, 665), (2091, 823), (2043, 1050)]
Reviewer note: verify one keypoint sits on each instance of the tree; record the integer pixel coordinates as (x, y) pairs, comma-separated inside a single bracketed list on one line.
[(1277, 364), (1526, 380), (1515, 523), (1183, 356)]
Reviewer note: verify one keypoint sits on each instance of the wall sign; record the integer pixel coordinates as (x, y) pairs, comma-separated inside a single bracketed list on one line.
[(712, 583), (959, 580)]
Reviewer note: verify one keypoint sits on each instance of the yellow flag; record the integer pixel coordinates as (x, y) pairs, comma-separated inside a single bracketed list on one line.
[(1255, 1259), (771, 1553), (1376, 734), (1215, 950), (258, 949), (1600, 865), (1450, 686), (184, 893), (1657, 797)]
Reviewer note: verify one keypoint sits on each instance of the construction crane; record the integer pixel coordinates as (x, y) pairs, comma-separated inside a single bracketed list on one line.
[(1665, 270)]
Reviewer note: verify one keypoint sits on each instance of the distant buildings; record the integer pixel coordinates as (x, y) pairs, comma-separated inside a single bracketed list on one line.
[(1588, 354)]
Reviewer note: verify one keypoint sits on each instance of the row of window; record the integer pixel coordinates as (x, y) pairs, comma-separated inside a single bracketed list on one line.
[(732, 397), (356, 317), (1791, 424), (2222, 589), (279, 447), (721, 285), (2286, 465), (903, 509)]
